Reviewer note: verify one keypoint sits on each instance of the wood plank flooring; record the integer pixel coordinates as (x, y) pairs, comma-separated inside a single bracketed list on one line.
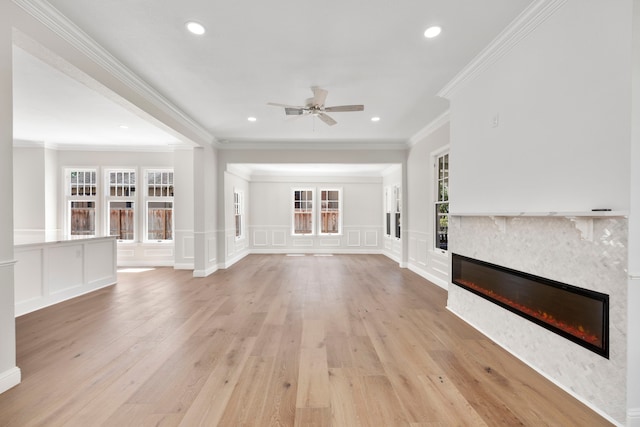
[(348, 340)]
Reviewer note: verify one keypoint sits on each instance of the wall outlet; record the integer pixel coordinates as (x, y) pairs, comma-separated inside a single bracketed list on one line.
[(495, 121)]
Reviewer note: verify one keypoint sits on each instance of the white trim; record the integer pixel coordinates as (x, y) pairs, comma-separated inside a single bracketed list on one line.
[(183, 266), (525, 23), (552, 380), (435, 124), (205, 272), (7, 263), (10, 379), (302, 251), (633, 417), (72, 34), (444, 284), (369, 145)]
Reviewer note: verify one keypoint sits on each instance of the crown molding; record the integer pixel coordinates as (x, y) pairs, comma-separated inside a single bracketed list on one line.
[(242, 144), (72, 34), (435, 124), (525, 23)]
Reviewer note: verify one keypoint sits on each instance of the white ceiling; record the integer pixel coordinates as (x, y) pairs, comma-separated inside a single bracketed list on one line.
[(254, 52)]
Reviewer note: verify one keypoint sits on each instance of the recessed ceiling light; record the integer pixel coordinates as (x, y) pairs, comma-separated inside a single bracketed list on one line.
[(375, 119), (124, 127), (195, 28), (432, 32), (251, 119)]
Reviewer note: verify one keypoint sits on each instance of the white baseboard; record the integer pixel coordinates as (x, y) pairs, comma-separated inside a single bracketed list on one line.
[(10, 379), (633, 417), (206, 272), (428, 276), (183, 266), (535, 368), (316, 251), (236, 258), (139, 263)]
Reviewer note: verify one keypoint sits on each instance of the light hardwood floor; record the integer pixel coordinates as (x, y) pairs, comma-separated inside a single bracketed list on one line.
[(349, 340)]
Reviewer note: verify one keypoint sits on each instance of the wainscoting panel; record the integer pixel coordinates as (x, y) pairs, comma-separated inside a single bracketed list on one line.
[(371, 238), (260, 238), (331, 243), (353, 238), (278, 239)]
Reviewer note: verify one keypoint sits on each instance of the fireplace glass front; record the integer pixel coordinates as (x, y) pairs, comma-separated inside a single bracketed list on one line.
[(578, 314)]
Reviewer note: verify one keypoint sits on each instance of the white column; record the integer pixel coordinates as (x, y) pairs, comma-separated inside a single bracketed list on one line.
[(205, 215), (183, 161), (9, 373)]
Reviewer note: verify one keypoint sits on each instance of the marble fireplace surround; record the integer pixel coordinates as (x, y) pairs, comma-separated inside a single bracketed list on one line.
[(588, 250)]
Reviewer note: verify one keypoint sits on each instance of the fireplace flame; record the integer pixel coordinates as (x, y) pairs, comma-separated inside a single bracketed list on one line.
[(576, 330)]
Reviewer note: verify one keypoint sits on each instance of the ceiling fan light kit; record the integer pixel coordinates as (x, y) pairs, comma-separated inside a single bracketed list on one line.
[(315, 107)]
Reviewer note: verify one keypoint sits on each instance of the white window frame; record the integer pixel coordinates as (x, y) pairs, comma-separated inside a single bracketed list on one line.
[(238, 211), (71, 198), (321, 209), (167, 197), (306, 201), (387, 211), (437, 196), (126, 196), (397, 217)]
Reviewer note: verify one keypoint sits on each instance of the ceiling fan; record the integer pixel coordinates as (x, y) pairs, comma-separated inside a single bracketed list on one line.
[(315, 107)]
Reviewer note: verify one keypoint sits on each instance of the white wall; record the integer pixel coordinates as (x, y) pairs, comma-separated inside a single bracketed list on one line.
[(423, 257), (633, 398), (562, 98), (560, 101), (270, 215), (51, 190), (29, 189), (9, 373)]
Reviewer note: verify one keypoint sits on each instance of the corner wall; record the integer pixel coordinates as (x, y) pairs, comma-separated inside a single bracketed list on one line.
[(424, 258), (9, 372)]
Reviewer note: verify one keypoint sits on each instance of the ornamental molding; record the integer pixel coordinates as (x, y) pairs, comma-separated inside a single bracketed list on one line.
[(524, 24)]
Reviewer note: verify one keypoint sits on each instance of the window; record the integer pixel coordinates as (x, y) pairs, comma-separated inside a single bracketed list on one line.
[(159, 202), (442, 202), (82, 196), (83, 218), (303, 211), (121, 193), (330, 207), (387, 212), (238, 209), (398, 204)]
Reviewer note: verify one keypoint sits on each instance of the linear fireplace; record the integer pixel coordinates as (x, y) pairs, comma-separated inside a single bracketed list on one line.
[(578, 314)]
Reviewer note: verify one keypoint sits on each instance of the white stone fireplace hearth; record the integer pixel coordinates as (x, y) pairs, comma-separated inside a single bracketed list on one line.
[(588, 250)]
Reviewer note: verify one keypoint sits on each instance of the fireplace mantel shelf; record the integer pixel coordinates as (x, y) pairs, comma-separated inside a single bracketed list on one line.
[(579, 214), (583, 220)]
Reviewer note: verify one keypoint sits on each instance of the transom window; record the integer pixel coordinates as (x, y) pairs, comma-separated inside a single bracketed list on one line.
[(83, 183)]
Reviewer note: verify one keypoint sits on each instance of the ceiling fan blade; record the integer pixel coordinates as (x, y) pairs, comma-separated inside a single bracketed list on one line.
[(283, 105), (294, 111), (327, 119), (319, 95), (341, 108)]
